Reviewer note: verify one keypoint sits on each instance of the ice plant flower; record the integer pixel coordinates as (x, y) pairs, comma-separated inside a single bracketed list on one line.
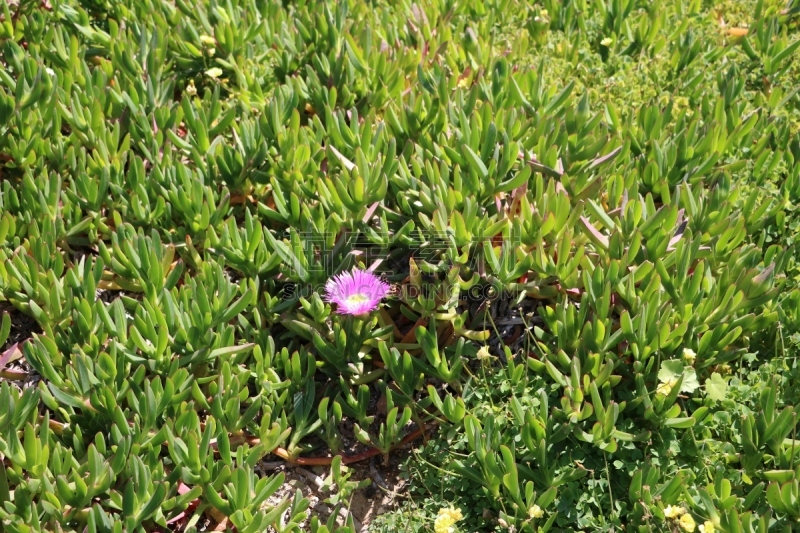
[(706, 527), (191, 90), (673, 511), (356, 293), (687, 523), (535, 512), (689, 356), (665, 388), (215, 72), (446, 519)]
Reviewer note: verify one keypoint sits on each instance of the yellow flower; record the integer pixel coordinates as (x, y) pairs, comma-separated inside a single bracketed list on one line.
[(483, 353), (665, 388), (606, 42), (191, 90), (673, 511), (445, 520), (687, 523), (208, 40), (706, 527), (689, 356), (535, 512), (215, 72)]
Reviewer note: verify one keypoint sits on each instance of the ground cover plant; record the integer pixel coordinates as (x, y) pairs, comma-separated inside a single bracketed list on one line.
[(536, 257)]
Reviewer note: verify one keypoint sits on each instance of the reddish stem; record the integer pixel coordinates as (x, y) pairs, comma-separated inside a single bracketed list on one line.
[(346, 459)]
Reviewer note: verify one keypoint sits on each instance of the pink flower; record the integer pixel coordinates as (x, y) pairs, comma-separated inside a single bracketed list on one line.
[(356, 293)]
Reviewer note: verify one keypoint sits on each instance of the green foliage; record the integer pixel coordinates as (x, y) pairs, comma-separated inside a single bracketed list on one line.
[(588, 210)]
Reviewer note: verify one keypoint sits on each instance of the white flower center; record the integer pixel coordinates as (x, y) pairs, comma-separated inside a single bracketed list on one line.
[(357, 298)]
